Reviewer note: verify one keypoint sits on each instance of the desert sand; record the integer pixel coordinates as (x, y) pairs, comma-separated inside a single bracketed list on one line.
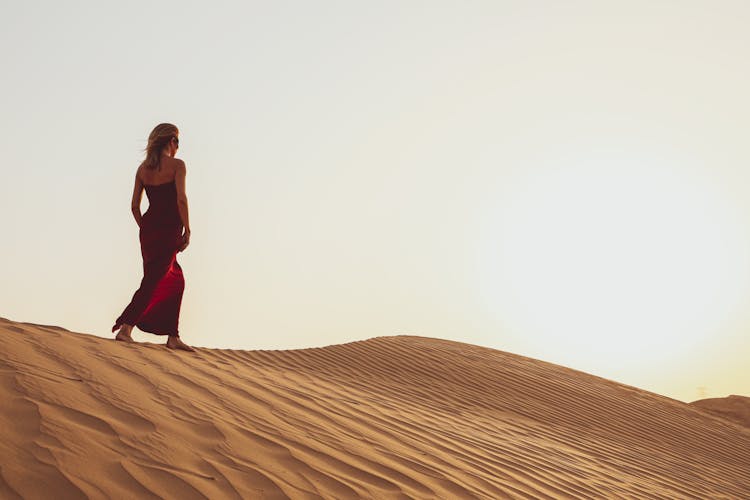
[(732, 407), (401, 416)]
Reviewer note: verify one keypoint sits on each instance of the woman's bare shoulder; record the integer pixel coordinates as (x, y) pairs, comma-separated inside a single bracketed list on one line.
[(173, 163)]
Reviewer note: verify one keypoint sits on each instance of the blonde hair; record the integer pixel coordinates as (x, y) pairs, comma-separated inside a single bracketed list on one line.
[(157, 141)]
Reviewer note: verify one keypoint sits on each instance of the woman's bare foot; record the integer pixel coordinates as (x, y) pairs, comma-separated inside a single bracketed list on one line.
[(176, 343), (124, 334)]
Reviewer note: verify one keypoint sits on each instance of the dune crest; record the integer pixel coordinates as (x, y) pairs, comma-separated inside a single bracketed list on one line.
[(734, 407), (388, 417)]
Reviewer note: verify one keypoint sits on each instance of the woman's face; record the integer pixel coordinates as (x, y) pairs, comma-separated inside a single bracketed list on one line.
[(174, 144)]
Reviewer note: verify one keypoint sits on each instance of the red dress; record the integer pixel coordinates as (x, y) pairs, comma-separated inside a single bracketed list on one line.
[(155, 306)]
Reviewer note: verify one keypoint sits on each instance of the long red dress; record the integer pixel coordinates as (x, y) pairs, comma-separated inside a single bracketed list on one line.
[(155, 306)]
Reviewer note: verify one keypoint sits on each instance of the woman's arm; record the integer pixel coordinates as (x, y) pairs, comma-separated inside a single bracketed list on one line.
[(182, 201), (135, 203)]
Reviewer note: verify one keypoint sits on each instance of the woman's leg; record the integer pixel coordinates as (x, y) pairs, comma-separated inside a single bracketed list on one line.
[(153, 272)]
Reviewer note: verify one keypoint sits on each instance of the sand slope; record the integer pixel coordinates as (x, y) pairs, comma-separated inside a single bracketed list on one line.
[(390, 417), (734, 407)]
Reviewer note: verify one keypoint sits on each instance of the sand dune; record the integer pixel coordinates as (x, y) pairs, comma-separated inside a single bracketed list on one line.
[(390, 417), (732, 407)]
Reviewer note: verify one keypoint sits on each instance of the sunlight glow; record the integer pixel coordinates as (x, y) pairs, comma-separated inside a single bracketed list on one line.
[(604, 263)]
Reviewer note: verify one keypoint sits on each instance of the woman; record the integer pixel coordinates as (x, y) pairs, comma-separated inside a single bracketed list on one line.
[(155, 306)]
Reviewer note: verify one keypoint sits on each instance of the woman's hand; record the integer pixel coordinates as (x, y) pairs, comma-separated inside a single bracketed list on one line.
[(185, 240)]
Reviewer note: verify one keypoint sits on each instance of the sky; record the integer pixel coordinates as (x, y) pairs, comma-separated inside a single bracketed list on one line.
[(566, 181)]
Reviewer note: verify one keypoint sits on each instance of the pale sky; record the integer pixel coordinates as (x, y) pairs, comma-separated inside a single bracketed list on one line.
[(567, 181)]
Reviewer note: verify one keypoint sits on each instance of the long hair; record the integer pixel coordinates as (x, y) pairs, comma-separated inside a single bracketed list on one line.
[(157, 141)]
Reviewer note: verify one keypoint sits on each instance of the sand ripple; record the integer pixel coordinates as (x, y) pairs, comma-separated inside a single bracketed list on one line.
[(389, 417)]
